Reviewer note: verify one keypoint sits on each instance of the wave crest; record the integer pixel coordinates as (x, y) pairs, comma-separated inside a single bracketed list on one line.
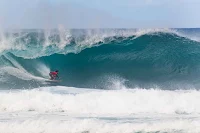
[(38, 43)]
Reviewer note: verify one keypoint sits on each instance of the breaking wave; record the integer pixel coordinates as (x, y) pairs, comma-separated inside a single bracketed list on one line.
[(166, 58)]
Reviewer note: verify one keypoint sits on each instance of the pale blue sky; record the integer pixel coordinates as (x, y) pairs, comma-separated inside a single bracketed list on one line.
[(99, 13)]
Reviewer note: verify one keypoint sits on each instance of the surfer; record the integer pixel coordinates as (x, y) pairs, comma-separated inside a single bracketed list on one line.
[(53, 75)]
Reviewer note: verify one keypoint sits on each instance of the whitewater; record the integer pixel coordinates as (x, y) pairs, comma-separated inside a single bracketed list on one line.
[(112, 81)]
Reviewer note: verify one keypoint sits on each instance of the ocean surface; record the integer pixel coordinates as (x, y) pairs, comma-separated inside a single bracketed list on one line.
[(112, 81)]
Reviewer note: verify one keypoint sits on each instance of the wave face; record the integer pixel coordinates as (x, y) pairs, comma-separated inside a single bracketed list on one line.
[(108, 59)]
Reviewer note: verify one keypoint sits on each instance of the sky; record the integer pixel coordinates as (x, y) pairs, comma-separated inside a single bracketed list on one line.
[(29, 14)]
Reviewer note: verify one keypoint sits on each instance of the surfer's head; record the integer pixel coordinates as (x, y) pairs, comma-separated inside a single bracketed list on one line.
[(57, 71)]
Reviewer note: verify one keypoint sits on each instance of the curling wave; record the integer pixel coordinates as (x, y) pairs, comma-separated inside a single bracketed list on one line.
[(167, 58)]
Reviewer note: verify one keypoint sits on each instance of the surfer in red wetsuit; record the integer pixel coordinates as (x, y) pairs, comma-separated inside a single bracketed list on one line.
[(54, 75)]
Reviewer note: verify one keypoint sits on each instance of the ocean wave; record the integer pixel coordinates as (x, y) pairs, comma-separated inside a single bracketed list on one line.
[(102, 59)]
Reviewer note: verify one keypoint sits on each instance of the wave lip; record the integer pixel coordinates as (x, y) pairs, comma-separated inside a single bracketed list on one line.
[(39, 43)]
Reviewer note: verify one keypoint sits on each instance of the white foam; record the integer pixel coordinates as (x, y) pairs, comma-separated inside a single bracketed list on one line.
[(103, 103), (195, 36), (8, 43), (76, 110), (14, 62), (43, 69), (74, 125), (18, 73), (64, 36)]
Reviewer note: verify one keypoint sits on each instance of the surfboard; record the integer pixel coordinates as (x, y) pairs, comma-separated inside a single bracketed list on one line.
[(53, 81)]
